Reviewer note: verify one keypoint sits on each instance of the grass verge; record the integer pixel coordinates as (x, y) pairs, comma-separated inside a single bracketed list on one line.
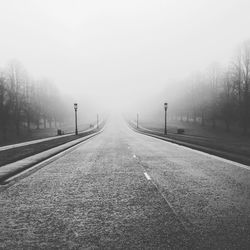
[(227, 147), (15, 154)]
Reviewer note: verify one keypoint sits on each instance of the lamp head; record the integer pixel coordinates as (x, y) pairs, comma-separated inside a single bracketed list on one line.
[(165, 105)]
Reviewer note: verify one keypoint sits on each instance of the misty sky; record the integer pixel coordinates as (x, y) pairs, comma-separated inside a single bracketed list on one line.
[(120, 50)]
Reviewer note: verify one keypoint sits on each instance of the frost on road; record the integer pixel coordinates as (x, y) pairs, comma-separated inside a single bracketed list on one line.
[(98, 197)]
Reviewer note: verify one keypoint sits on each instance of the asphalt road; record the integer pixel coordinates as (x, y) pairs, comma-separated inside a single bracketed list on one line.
[(123, 190)]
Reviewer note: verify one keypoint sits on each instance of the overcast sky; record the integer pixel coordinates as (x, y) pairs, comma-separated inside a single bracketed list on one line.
[(120, 49)]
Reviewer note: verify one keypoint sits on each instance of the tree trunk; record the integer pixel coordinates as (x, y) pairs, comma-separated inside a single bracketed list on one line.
[(28, 122), (17, 123), (4, 129), (202, 118), (55, 123), (44, 122), (4, 133), (17, 127), (194, 117), (38, 123)]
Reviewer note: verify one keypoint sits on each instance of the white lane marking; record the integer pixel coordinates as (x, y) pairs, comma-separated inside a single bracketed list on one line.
[(240, 165), (147, 176), (134, 156)]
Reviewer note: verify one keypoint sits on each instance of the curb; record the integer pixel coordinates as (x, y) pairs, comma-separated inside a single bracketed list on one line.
[(41, 159), (230, 156)]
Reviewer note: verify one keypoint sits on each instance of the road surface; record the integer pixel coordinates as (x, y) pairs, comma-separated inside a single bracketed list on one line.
[(123, 190)]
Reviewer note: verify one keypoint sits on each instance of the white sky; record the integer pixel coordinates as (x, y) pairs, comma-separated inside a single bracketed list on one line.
[(117, 51)]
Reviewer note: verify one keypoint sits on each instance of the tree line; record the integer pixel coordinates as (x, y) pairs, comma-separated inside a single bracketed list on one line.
[(221, 94), (27, 103)]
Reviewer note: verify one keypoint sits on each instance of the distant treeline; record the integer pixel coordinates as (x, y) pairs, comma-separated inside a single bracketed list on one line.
[(218, 95), (25, 103)]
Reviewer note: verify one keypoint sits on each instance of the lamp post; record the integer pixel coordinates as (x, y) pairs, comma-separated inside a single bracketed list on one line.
[(165, 107), (75, 107), (137, 120)]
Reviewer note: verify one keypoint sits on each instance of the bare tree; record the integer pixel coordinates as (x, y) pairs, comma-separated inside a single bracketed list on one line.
[(245, 61), (24, 101)]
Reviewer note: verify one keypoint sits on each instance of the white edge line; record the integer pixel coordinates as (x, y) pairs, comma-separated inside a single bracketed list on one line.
[(147, 176), (45, 162), (218, 158), (240, 165)]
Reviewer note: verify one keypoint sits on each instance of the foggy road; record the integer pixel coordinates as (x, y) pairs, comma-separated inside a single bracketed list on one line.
[(126, 190)]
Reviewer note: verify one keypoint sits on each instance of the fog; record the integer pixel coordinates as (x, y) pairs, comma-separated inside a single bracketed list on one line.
[(116, 55)]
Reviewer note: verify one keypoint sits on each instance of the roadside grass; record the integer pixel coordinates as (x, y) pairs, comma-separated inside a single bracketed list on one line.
[(35, 134), (215, 138), (15, 154)]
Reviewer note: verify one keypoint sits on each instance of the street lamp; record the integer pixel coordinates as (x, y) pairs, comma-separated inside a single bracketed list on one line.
[(75, 107), (165, 107)]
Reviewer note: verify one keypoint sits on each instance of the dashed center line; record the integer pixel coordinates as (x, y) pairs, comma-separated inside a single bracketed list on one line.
[(147, 176)]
